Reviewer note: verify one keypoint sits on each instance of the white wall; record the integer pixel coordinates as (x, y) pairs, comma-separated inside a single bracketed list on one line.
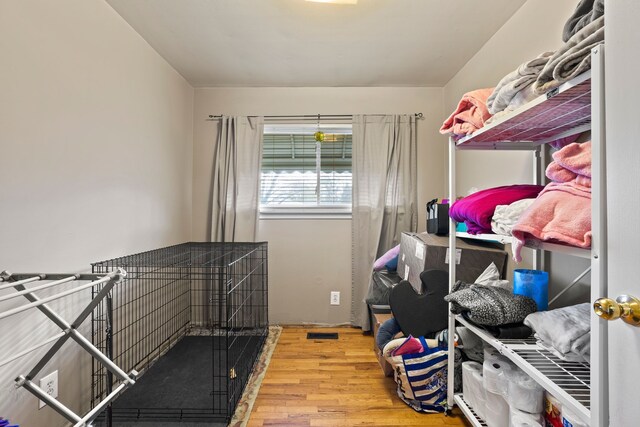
[(96, 147), (310, 258), (535, 28)]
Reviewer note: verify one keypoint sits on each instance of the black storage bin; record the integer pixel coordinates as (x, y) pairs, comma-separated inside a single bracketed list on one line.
[(437, 217)]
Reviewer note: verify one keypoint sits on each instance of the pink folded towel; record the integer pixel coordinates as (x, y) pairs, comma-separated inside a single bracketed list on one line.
[(470, 114), (557, 173), (562, 211), (575, 157), (572, 163), (560, 214)]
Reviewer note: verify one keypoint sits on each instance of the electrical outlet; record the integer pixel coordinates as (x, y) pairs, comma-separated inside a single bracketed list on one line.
[(50, 386), (335, 298)]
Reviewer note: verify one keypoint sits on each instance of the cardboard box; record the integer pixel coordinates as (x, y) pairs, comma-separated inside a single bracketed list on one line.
[(380, 318), (420, 252), (387, 369)]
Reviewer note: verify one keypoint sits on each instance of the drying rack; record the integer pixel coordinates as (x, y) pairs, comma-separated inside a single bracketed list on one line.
[(69, 331)]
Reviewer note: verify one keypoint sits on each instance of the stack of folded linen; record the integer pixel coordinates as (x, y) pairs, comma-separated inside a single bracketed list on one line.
[(572, 59), (562, 211), (515, 89), (583, 31), (586, 12), (477, 209)]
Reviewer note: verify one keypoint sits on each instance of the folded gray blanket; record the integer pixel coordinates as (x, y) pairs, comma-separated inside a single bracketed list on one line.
[(489, 305), (515, 82), (564, 331), (586, 12), (572, 59)]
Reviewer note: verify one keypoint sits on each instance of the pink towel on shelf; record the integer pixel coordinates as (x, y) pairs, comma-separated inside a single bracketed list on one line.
[(477, 209), (470, 114), (560, 214), (575, 157), (562, 211), (572, 163)]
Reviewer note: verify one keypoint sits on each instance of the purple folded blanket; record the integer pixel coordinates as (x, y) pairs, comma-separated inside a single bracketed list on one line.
[(476, 210)]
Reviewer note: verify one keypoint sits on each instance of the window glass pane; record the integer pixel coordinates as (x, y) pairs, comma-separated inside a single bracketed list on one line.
[(297, 171)]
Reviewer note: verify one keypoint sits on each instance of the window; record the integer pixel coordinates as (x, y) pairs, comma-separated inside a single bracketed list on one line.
[(302, 175)]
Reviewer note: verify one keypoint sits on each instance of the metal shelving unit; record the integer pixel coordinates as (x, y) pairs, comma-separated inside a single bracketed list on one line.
[(562, 112), (468, 412)]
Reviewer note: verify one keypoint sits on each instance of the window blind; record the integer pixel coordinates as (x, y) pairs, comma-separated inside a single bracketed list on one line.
[(298, 171)]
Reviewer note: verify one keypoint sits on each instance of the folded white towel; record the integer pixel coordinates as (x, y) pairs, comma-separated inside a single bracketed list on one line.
[(506, 216)]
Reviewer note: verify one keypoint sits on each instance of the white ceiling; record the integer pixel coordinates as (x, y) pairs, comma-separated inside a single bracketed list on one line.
[(299, 43)]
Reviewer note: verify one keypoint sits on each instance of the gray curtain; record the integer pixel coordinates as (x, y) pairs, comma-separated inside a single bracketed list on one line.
[(235, 180), (384, 196)]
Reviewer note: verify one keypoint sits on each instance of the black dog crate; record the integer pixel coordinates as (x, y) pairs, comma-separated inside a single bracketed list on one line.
[(192, 320)]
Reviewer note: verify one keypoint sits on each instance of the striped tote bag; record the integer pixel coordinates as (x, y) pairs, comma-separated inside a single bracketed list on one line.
[(422, 378)]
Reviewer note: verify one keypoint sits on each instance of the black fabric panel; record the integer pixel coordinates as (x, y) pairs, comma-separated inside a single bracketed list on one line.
[(421, 315)]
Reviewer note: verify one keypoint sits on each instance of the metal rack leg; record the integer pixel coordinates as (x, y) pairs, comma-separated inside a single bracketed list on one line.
[(109, 337), (70, 331)]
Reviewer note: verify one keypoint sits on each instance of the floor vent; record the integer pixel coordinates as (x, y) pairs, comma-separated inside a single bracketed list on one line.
[(322, 335)]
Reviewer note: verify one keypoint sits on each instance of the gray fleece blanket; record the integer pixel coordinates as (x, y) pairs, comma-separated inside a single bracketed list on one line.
[(515, 82), (489, 305), (572, 59), (564, 331), (586, 12)]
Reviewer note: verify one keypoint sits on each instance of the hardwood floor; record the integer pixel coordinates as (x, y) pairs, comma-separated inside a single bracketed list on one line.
[(332, 383)]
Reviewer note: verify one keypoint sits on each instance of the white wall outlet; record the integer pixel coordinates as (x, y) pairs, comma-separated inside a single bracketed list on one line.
[(335, 298), (50, 386)]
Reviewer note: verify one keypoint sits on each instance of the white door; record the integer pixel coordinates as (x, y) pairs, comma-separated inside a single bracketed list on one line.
[(622, 78)]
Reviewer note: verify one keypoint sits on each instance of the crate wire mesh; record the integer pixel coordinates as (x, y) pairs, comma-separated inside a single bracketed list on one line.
[(202, 300)]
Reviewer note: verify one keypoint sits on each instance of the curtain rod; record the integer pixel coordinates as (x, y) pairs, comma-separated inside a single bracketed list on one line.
[(311, 116)]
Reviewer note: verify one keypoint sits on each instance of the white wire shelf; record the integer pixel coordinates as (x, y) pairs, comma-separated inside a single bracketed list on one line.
[(561, 112), (529, 243), (569, 382), (494, 238), (555, 247), (468, 412)]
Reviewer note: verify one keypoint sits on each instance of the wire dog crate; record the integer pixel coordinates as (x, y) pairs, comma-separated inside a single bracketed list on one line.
[(192, 319)]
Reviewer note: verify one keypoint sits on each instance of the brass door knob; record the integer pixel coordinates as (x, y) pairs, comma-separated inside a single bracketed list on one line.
[(626, 307)]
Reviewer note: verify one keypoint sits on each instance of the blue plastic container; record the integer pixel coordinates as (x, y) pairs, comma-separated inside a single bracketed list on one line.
[(533, 284)]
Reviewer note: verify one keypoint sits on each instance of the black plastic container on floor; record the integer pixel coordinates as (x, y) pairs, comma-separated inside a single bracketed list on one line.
[(192, 319)]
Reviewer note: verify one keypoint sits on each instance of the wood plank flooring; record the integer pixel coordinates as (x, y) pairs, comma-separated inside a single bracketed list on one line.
[(332, 383)]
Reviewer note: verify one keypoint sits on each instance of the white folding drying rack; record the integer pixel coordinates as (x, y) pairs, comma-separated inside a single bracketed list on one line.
[(69, 331)]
